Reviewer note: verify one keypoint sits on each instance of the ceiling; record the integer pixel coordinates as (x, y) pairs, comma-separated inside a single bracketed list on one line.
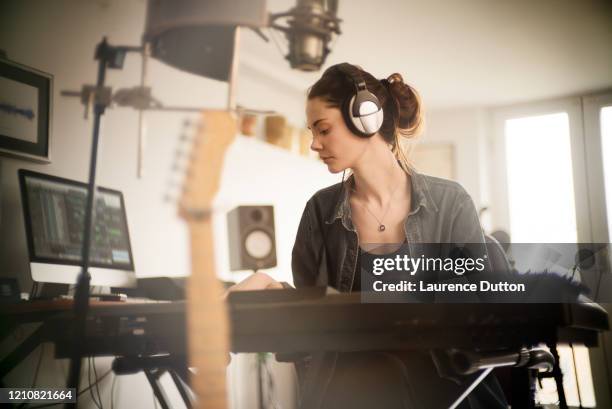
[(464, 53)]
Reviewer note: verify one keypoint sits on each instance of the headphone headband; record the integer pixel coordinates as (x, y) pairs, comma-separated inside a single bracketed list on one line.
[(361, 111), (348, 70)]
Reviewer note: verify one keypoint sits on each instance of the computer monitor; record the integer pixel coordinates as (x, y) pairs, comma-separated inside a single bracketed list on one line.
[(54, 212)]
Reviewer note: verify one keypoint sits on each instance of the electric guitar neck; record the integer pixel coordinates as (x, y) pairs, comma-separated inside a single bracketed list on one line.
[(207, 320)]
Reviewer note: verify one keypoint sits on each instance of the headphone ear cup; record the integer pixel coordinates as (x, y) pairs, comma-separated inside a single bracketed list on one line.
[(354, 124), (367, 124), (372, 122), (349, 120)]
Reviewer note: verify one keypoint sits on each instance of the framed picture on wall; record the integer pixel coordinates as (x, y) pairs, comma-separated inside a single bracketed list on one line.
[(435, 159), (25, 111)]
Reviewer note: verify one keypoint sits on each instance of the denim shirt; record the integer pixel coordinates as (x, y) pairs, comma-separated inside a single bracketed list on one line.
[(326, 253), (326, 247)]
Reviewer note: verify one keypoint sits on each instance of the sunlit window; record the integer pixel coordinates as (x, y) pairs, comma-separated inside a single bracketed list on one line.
[(540, 181), (542, 210)]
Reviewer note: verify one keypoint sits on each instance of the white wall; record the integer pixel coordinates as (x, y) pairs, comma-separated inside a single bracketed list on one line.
[(467, 130), (59, 38)]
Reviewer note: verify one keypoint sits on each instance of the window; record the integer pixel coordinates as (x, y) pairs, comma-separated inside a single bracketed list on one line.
[(540, 180)]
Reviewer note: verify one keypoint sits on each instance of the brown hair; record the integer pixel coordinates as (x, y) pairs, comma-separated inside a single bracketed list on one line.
[(400, 102)]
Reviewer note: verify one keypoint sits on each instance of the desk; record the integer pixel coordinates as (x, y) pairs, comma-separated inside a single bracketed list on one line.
[(38, 311)]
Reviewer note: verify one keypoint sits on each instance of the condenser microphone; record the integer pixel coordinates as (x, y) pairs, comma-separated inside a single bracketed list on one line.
[(310, 26)]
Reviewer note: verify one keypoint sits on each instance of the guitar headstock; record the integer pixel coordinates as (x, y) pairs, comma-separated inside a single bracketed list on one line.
[(215, 133)]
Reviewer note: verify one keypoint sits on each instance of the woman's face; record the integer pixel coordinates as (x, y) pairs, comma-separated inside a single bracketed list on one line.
[(336, 145)]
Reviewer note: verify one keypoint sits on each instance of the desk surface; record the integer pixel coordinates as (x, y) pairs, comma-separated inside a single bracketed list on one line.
[(40, 310), (284, 322)]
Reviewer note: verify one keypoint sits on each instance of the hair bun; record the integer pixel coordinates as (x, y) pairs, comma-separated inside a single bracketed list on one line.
[(407, 104), (395, 77)]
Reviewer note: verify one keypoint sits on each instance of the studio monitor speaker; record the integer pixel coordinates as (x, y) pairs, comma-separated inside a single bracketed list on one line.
[(252, 242)]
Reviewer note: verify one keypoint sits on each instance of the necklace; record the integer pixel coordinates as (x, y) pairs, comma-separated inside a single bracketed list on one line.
[(381, 226)]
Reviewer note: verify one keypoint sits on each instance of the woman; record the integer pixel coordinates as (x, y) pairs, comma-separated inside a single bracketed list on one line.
[(357, 122)]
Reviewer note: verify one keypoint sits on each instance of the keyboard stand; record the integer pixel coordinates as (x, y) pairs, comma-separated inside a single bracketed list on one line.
[(154, 367)]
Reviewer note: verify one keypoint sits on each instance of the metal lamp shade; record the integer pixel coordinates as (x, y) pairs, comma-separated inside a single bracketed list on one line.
[(197, 36)]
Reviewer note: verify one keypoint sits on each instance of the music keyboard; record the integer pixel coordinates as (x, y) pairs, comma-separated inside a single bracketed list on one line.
[(288, 321)]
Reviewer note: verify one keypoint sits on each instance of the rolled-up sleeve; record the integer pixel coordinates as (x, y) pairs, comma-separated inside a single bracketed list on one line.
[(466, 228)]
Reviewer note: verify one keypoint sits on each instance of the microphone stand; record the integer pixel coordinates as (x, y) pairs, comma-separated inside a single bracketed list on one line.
[(111, 57)]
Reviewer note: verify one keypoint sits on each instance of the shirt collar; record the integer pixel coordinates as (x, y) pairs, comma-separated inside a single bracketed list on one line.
[(421, 197)]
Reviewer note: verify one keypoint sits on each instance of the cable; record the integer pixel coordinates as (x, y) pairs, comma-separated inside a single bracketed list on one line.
[(99, 380), (89, 382), (112, 397), (596, 298), (270, 401), (576, 376), (40, 358), (272, 34), (97, 384), (492, 393), (33, 290), (91, 390)]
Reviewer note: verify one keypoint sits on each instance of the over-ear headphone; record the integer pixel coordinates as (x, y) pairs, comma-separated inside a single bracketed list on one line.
[(362, 110)]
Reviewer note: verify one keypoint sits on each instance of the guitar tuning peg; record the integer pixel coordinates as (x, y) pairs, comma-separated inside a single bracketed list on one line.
[(172, 190), (173, 185), (180, 162), (168, 198), (184, 137), (184, 151), (177, 166), (192, 124), (181, 154), (182, 171)]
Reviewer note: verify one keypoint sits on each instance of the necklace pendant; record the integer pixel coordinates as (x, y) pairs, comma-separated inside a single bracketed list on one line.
[(381, 228)]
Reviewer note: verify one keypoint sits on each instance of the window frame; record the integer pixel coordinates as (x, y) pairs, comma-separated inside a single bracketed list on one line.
[(499, 182)]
